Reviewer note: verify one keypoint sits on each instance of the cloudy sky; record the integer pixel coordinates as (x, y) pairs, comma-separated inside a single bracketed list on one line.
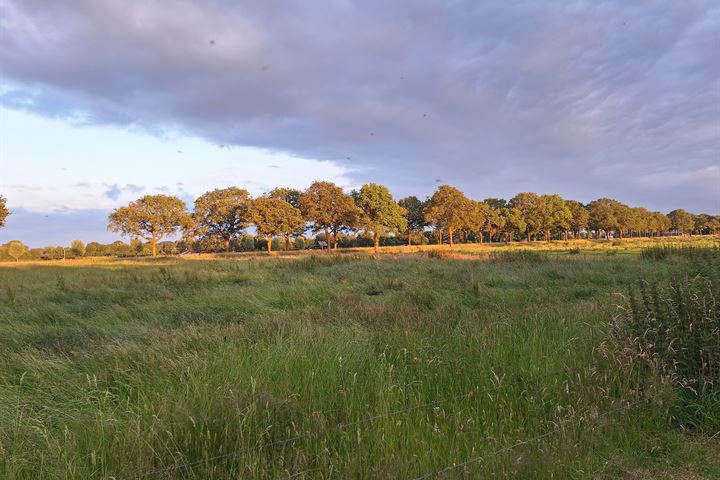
[(102, 101)]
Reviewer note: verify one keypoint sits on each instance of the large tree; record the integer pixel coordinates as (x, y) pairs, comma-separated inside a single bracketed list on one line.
[(290, 195), (514, 222), (476, 218), (274, 217), (682, 221), (530, 206), (152, 217), (329, 208), (4, 212), (603, 215), (222, 213), (447, 210), (553, 215), (579, 217), (378, 213), (413, 210)]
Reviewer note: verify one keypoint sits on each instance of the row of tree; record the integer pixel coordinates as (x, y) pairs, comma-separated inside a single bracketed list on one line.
[(324, 207), (224, 215)]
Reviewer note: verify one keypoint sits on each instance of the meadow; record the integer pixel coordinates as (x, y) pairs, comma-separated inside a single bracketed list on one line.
[(352, 366)]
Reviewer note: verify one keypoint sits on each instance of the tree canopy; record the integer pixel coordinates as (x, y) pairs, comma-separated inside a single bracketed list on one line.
[(4, 212), (378, 212), (152, 217), (222, 213), (274, 217), (329, 208), (446, 210)]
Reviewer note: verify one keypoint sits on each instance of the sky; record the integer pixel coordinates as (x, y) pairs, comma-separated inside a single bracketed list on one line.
[(104, 101)]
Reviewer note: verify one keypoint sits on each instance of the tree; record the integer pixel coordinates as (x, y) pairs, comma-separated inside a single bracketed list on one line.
[(579, 217), (78, 248), (378, 212), (4, 212), (514, 222), (447, 209), (553, 214), (530, 207), (273, 216), (681, 221), (603, 215), (660, 223), (476, 217), (413, 211), (290, 195), (222, 213), (152, 217), (16, 249), (329, 208)]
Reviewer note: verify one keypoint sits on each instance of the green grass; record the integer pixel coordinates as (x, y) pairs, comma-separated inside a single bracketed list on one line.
[(114, 368)]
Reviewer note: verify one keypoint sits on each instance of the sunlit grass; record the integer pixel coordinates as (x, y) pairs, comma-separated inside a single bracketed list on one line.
[(116, 367)]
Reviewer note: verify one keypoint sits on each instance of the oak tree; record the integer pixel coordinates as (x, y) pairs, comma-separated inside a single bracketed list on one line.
[(152, 217), (274, 217), (222, 213), (378, 212), (329, 208), (447, 210)]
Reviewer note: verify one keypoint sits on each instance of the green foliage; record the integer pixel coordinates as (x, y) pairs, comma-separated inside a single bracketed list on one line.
[(222, 213), (413, 210), (329, 208), (378, 213), (151, 217), (447, 209), (78, 248), (4, 212), (16, 249), (273, 216), (290, 195), (681, 221)]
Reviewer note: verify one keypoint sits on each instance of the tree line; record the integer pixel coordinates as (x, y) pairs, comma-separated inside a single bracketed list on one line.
[(283, 216)]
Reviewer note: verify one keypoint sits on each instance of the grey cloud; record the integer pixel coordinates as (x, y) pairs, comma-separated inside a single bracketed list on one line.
[(134, 188), (113, 192), (586, 99)]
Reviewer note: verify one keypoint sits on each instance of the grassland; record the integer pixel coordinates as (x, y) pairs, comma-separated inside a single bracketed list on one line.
[(118, 368)]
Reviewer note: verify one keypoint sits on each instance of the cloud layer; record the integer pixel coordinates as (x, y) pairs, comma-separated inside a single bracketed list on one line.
[(586, 99)]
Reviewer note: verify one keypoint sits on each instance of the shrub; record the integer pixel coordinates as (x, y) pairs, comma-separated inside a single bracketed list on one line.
[(439, 254)]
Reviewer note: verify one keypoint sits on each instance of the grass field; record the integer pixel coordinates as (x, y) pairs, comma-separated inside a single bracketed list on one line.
[(119, 368)]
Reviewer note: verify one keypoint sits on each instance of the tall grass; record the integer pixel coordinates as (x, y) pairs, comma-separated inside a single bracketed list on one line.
[(125, 367)]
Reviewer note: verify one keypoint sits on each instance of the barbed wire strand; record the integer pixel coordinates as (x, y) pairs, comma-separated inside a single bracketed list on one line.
[(557, 429), (286, 441)]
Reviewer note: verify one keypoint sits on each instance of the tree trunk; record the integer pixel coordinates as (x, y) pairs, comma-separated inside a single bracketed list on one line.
[(450, 236), (227, 244), (327, 240), (287, 242), (440, 235), (547, 235), (528, 235), (153, 244), (409, 238), (566, 235), (269, 238), (376, 241)]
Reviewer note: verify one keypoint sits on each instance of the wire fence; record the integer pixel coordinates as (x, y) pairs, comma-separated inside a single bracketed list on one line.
[(290, 440)]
